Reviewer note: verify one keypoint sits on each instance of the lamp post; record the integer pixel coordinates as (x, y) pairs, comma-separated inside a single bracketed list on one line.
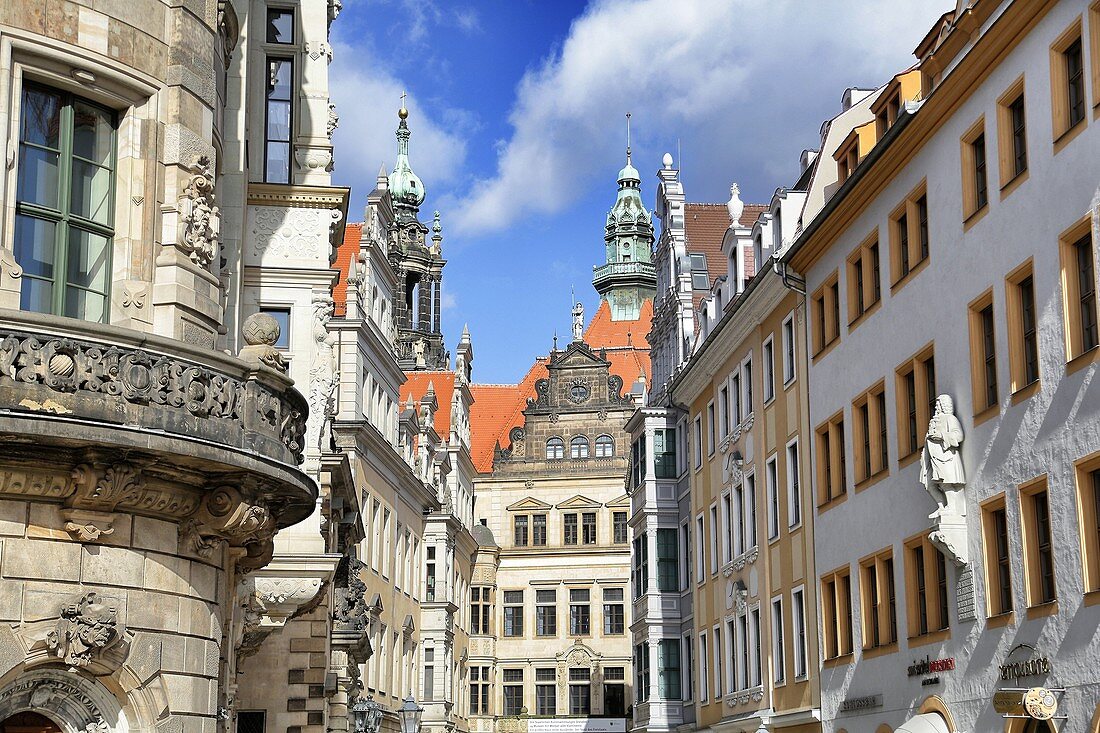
[(410, 714), (366, 713)]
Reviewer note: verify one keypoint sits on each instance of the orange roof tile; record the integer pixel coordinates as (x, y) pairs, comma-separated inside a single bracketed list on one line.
[(443, 382), (348, 249)]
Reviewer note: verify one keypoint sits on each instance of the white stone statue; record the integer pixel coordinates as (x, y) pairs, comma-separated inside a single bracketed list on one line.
[(419, 349), (735, 206), (941, 469), (578, 321)]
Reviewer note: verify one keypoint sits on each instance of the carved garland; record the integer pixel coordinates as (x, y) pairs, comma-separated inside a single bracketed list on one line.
[(199, 218)]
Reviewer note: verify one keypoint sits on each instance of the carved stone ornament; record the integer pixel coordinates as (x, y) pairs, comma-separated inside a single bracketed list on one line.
[(333, 120), (349, 612), (943, 477), (265, 604), (235, 516), (199, 218), (87, 526), (261, 332), (86, 629), (76, 702), (323, 374)]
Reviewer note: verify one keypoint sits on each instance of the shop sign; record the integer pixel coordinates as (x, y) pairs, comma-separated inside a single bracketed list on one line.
[(861, 703), (1040, 703), (931, 666), (1033, 667), (1009, 702)]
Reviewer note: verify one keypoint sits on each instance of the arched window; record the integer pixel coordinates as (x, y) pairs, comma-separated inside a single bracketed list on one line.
[(578, 447), (555, 448), (605, 446)]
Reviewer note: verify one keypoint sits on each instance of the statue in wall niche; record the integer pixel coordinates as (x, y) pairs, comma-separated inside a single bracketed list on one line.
[(420, 346), (941, 469)]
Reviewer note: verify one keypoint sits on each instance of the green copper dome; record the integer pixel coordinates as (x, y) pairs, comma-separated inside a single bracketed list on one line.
[(405, 186)]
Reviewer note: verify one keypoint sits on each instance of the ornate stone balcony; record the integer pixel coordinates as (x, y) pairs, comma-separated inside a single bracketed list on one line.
[(102, 418), (643, 271)]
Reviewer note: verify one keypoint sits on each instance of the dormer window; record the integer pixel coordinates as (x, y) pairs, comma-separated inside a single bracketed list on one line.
[(700, 279)]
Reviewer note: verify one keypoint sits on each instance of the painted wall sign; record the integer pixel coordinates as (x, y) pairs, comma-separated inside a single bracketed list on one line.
[(576, 725), (861, 703), (931, 666)]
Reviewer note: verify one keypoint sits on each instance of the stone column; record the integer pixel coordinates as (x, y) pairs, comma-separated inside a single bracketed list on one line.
[(437, 286), (424, 309)]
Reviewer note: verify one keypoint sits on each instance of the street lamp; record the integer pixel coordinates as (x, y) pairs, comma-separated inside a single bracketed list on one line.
[(410, 714), (366, 713)]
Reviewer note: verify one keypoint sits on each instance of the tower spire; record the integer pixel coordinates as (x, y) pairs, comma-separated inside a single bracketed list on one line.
[(628, 138)]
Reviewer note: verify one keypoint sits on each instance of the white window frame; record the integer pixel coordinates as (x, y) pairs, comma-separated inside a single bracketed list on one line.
[(685, 555), (768, 376), (731, 654), (748, 495), (754, 676), (710, 428), (779, 642), (736, 406), (700, 559), (698, 442), (771, 488), (687, 694), (716, 634), (703, 673), (798, 600), (714, 538), (746, 387), (728, 539), (737, 529), (794, 484), (724, 421), (790, 371)]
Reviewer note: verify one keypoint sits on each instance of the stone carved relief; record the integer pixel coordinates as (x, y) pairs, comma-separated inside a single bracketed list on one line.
[(199, 218), (10, 271), (943, 477), (312, 158), (100, 489), (333, 120), (135, 293), (142, 378), (61, 692), (323, 373), (265, 604), (294, 233), (261, 332), (350, 609), (236, 516), (86, 629)]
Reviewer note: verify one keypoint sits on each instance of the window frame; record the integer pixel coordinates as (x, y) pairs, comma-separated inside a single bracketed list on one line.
[(831, 455), (871, 448), (1032, 528), (836, 614), (795, 509), (1087, 480), (1078, 350), (975, 172), (864, 279), (790, 350), (1011, 172), (927, 575), (826, 308), (1063, 126), (984, 369), (286, 54), (1022, 383), (878, 600), (996, 564)]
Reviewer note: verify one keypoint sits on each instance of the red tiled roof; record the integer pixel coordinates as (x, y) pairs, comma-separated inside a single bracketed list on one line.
[(705, 226), (499, 407), (443, 382), (348, 249)]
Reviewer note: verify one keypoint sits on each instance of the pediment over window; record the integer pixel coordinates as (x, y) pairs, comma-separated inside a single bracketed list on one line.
[(622, 501), (529, 504), (579, 502)]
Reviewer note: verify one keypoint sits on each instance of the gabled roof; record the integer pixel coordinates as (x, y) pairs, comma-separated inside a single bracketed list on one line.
[(348, 249)]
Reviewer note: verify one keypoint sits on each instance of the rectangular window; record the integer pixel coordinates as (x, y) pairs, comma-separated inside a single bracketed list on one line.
[(736, 412), (569, 529), (794, 485), (716, 635), (779, 649), (279, 119), (620, 531), (826, 309), (974, 180), (724, 411), (864, 280), (513, 691), (1038, 545), (983, 353), (1012, 133), (668, 669), (641, 565), (513, 613), (734, 670), (1088, 509), (1023, 336), (280, 25), (700, 558), (915, 390), (728, 542), (546, 612), (754, 633), (64, 205), (480, 610), (698, 442), (580, 612), (519, 525), (588, 528), (771, 481), (479, 690), (870, 437), (788, 349), (710, 429), (1079, 289), (836, 601), (1067, 82), (714, 539), (429, 580), (668, 563), (746, 406), (704, 673), (641, 671), (546, 692), (664, 453), (429, 674), (538, 530), (879, 602), (637, 461), (768, 352), (282, 317), (998, 559), (909, 236), (831, 463), (748, 522), (926, 581), (614, 612), (798, 608)]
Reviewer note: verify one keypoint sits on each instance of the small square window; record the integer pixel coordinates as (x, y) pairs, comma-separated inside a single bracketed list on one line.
[(282, 316), (280, 25)]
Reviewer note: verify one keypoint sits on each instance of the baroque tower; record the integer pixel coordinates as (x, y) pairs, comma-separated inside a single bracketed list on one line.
[(418, 265), (628, 276)]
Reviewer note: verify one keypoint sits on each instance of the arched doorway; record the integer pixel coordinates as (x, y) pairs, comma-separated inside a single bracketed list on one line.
[(28, 722)]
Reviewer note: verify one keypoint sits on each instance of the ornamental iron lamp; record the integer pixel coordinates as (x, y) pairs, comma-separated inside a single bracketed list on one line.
[(410, 714), (366, 713)]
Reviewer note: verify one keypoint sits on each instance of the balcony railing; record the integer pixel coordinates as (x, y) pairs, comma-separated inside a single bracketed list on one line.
[(619, 269)]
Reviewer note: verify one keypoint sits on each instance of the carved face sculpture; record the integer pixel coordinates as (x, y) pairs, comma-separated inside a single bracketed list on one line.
[(944, 405)]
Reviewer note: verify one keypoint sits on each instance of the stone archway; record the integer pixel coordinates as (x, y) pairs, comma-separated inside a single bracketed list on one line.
[(73, 703), (28, 722)]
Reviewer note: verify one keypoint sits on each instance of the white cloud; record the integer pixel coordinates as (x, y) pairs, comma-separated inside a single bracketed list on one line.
[(736, 78), (447, 301), (367, 98)]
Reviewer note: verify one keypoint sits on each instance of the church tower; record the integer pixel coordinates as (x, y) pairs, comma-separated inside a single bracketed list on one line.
[(628, 276), (418, 263)]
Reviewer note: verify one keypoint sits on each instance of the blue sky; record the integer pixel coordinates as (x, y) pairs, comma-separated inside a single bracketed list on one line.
[(517, 116)]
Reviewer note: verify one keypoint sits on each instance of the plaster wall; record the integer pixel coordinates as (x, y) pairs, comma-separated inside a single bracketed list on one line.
[(1041, 435)]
